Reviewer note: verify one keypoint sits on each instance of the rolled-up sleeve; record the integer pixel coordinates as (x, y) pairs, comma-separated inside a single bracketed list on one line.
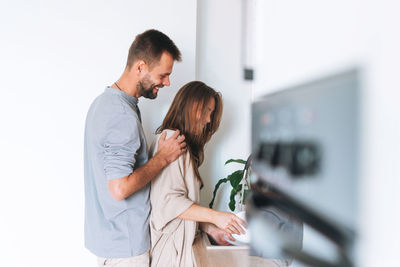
[(121, 145)]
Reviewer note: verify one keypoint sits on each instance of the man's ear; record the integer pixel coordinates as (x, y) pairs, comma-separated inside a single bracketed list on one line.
[(139, 66)]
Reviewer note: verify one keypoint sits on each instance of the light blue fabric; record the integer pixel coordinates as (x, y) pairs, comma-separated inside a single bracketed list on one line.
[(115, 146)]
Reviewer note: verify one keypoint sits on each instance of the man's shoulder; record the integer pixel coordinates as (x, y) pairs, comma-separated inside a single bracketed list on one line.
[(109, 100), (111, 105)]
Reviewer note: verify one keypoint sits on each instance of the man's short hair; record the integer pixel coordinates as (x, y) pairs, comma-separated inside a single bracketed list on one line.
[(149, 46)]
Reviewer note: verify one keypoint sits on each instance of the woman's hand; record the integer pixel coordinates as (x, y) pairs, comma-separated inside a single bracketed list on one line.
[(217, 234), (229, 222), (220, 236)]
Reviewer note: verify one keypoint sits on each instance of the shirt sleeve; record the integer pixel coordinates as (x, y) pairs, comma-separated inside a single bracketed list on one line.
[(170, 193), (121, 145)]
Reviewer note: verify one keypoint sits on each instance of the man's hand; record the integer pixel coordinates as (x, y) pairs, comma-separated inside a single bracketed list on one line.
[(170, 149)]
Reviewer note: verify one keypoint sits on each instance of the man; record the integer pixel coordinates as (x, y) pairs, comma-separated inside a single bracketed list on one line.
[(117, 168)]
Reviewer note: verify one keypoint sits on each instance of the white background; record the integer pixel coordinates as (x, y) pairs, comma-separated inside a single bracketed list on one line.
[(56, 57)]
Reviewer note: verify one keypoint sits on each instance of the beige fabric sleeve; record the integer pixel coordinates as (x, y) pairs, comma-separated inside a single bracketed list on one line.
[(170, 193)]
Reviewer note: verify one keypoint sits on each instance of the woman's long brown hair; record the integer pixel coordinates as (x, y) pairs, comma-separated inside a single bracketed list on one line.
[(192, 99)]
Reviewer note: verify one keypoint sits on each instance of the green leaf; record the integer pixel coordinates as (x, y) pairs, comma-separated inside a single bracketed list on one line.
[(235, 178), (223, 180), (235, 160), (232, 202)]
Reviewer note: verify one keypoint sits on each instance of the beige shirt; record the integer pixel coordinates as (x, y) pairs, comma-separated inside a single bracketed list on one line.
[(172, 192)]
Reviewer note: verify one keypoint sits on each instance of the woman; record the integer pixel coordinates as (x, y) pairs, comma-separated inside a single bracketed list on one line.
[(196, 111)]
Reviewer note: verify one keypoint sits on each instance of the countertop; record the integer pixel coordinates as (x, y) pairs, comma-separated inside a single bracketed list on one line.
[(228, 257)]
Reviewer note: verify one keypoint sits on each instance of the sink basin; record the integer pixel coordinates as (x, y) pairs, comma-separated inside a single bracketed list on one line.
[(211, 246)]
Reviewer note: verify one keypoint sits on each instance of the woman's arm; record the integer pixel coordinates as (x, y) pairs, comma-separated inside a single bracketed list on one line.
[(227, 221)]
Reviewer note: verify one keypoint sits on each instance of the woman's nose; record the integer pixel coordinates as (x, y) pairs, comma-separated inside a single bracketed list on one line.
[(208, 119)]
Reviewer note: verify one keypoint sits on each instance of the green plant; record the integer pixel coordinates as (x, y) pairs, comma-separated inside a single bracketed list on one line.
[(239, 182)]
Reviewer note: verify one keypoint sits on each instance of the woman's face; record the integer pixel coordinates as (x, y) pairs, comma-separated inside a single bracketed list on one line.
[(204, 119)]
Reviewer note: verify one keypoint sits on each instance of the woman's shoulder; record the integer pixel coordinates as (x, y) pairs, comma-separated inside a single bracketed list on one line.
[(154, 145), (169, 132)]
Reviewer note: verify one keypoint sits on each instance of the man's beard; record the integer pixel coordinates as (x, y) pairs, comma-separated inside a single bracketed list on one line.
[(145, 88)]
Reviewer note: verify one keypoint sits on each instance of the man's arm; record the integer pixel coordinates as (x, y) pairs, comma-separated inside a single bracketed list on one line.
[(169, 150)]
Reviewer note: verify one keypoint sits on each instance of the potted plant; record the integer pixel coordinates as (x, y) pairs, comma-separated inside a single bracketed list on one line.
[(240, 185)]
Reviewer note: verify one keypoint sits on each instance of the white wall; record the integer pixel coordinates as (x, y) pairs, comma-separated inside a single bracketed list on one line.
[(219, 66), (380, 218), (55, 58), (297, 41)]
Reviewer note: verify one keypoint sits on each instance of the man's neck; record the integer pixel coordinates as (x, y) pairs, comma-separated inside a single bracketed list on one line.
[(127, 83)]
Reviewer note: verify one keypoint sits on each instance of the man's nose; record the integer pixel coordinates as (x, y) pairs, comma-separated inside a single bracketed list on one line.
[(166, 81)]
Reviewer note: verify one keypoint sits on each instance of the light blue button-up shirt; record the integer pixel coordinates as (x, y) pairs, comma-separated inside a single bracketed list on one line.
[(115, 146)]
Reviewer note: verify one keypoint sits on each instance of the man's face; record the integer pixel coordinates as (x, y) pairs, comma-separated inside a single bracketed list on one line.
[(156, 78)]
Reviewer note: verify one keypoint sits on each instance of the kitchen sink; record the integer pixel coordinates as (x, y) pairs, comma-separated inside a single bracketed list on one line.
[(211, 245)]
